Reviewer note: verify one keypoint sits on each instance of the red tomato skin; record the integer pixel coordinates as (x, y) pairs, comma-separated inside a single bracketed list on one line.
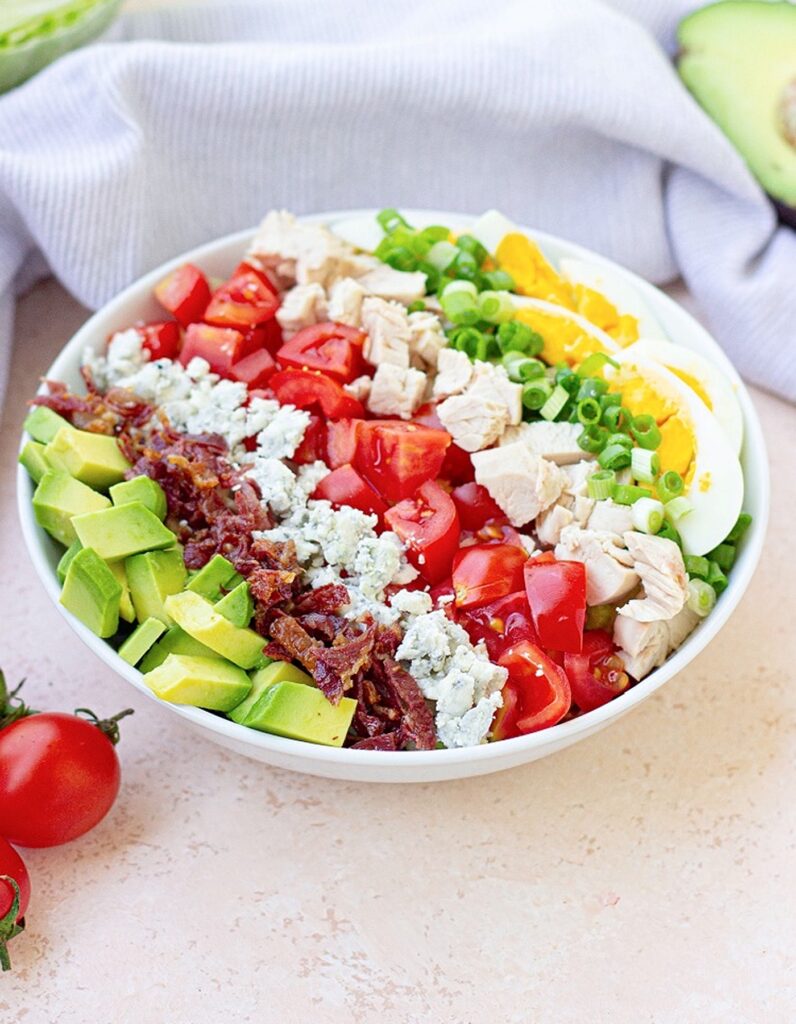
[(253, 370), (313, 444), (484, 572), (344, 486), (428, 524), (474, 505), (161, 339), (11, 864), (557, 596), (184, 293), (500, 623), (457, 466), (334, 349), (267, 336), (59, 777), (220, 346), (308, 388), (441, 595), (246, 300), (398, 457), (496, 531), (589, 691), (537, 690)]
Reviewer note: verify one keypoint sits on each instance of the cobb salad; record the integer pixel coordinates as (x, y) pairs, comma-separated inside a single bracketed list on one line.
[(392, 486)]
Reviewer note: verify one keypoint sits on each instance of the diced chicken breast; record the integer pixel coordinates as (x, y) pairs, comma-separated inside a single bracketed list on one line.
[(581, 508), (608, 517), (680, 627), (551, 522), (427, 338), (555, 441), (345, 302), (643, 646), (491, 383), (387, 327), (398, 285), (454, 372), (659, 564), (299, 253), (302, 306), (396, 391), (521, 483), (359, 388), (609, 575), (472, 422), (577, 475)]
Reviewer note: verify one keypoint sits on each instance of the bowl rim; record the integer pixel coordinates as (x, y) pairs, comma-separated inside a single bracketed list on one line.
[(562, 734)]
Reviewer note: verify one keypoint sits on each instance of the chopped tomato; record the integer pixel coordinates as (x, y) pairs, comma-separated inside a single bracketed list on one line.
[(220, 346), (500, 623), (441, 595), (161, 339), (344, 486), (267, 335), (334, 349), (536, 694), (496, 531), (457, 467), (313, 444), (597, 674), (341, 442), (247, 299), (254, 369), (474, 505), (428, 524), (397, 457), (185, 293), (484, 572), (557, 596), (307, 389)]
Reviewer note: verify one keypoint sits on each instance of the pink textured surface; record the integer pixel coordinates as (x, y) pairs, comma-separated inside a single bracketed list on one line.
[(643, 875)]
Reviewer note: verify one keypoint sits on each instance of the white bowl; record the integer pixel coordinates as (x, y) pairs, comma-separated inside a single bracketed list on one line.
[(218, 259)]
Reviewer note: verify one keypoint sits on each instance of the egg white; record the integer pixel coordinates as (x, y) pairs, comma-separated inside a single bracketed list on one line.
[(619, 292), (363, 233)]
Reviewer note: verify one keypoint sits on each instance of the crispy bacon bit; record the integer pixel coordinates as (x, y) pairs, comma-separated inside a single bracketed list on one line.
[(329, 598), (336, 666), (296, 641), (323, 626), (101, 414), (385, 741), (416, 721)]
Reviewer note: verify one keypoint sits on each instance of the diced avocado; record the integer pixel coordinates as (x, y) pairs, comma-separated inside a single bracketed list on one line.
[(175, 641), (126, 609), (32, 458), (58, 499), (93, 459), (203, 682), (122, 530), (739, 61), (92, 593), (237, 605), (198, 617), (152, 576), (43, 424), (66, 560), (141, 640), (143, 489), (219, 574), (301, 713), (273, 672)]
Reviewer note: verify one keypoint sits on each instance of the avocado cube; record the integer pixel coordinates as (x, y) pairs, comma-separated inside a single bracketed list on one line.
[(32, 458), (273, 672), (66, 560), (152, 576), (141, 640), (143, 489), (237, 605), (202, 682), (198, 617), (92, 593), (219, 574), (59, 499), (43, 424), (174, 641), (93, 459), (301, 713), (126, 609), (122, 530)]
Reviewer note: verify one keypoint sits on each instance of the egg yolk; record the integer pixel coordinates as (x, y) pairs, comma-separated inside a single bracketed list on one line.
[(564, 340), (596, 308), (532, 274), (677, 449), (693, 383)]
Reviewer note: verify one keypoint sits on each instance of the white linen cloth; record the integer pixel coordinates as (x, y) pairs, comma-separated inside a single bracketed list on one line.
[(565, 114)]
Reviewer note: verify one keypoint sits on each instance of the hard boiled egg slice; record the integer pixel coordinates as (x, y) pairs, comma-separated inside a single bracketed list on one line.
[(632, 318), (363, 233), (568, 337), (693, 444), (701, 376)]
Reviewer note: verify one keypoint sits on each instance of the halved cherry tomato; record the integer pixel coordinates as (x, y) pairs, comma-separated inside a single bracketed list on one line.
[(536, 694), (342, 437), (457, 466), (254, 369), (344, 486), (161, 338), (474, 505), (220, 346), (334, 349), (484, 572), (267, 335), (557, 596), (441, 595), (397, 457), (428, 524), (496, 531), (185, 293), (247, 299), (313, 444), (597, 674), (308, 388), (500, 623)]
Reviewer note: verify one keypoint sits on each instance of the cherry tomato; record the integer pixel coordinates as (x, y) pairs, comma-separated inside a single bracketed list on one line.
[(254, 369), (344, 486), (12, 866), (222, 347), (536, 694), (398, 457), (441, 595), (184, 293), (428, 524), (474, 505), (59, 776), (597, 674), (457, 466), (500, 623), (334, 349), (313, 444), (496, 531), (484, 572), (307, 389), (247, 299), (557, 595), (161, 339)]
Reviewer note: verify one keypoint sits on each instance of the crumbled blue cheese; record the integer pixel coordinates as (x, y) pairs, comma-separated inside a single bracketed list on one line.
[(410, 603), (280, 438), (276, 481)]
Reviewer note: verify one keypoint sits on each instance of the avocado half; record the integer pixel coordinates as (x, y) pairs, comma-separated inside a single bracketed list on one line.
[(738, 58)]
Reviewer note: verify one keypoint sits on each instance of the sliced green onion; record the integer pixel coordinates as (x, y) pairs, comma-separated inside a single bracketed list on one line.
[(433, 276), (716, 578), (589, 412), (495, 307), (628, 494), (614, 456), (622, 439), (677, 508), (523, 368), (610, 400), (669, 486), (645, 431), (536, 393), (459, 288), (499, 281), (669, 532), (615, 417), (593, 439), (515, 336), (594, 363), (465, 266), (436, 233), (416, 307), (469, 340), (647, 515), (600, 616), (701, 597), (471, 245), (555, 403), (697, 566), (742, 524), (458, 301), (592, 387), (645, 465), (400, 257), (723, 556), (390, 219), (569, 382), (601, 484), (441, 255)]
